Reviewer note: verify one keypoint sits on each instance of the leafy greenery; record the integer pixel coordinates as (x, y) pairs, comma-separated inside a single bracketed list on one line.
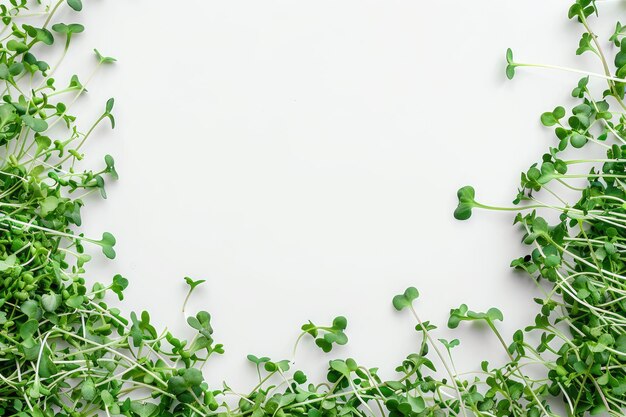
[(577, 261), (65, 352)]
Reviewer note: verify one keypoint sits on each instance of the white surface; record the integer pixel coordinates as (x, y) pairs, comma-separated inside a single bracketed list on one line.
[(303, 157)]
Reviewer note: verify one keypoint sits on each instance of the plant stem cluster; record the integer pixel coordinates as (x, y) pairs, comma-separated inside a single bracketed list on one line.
[(65, 353)]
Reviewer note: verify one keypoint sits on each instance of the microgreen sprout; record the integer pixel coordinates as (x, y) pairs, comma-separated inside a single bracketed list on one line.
[(64, 352)]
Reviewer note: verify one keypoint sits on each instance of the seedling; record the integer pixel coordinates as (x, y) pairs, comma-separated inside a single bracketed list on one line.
[(64, 352)]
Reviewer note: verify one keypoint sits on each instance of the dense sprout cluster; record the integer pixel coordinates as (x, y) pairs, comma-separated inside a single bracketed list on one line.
[(64, 352), (580, 259)]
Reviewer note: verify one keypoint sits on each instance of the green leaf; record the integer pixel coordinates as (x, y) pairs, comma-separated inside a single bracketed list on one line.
[(107, 398), (548, 119), (574, 11), (510, 72), (310, 328), (466, 197), (88, 390), (406, 299), (598, 409), (617, 34), (176, 385), (193, 377), (104, 59), (17, 46), (144, 409), (193, 284), (509, 56), (110, 163), (585, 44), (450, 344), (108, 109), (494, 314), (31, 309), (299, 377), (68, 29), (417, 404), (340, 323), (510, 67), (28, 329), (552, 261), (341, 367), (50, 302), (48, 205), (119, 285), (16, 69), (577, 140), (258, 361), (76, 5), (47, 368), (75, 83), (456, 316), (45, 36), (43, 143), (75, 301), (107, 243), (559, 112), (324, 345), (4, 71), (60, 28), (38, 125), (8, 263), (462, 313), (202, 323)]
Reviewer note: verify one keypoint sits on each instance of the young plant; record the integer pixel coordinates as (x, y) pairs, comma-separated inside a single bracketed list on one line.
[(65, 353)]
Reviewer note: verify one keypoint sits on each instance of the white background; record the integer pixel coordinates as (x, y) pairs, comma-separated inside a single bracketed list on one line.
[(303, 158)]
